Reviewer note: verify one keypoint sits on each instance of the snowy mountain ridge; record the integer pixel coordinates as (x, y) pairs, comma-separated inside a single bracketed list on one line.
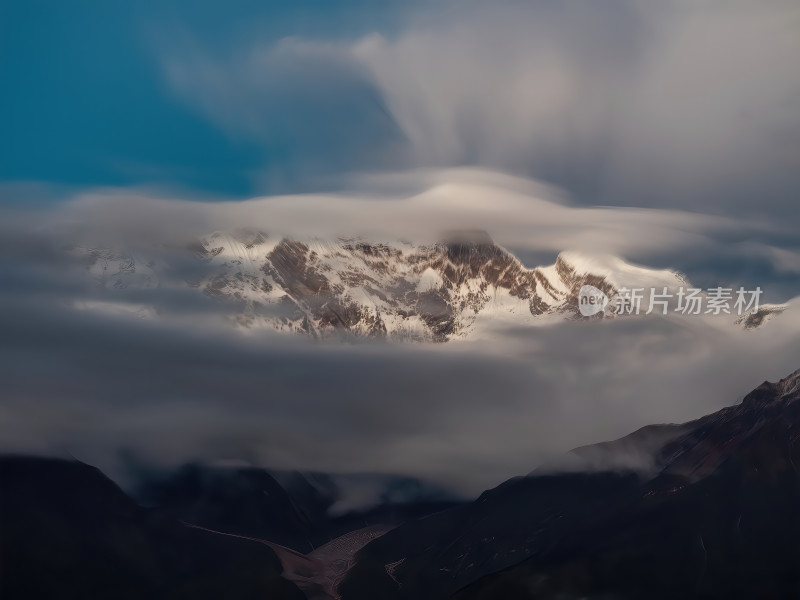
[(400, 291)]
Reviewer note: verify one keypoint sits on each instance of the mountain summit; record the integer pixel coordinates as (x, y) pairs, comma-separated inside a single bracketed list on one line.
[(437, 292)]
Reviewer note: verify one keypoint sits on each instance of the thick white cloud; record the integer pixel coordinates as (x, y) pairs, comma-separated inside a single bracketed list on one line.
[(534, 220), (417, 205)]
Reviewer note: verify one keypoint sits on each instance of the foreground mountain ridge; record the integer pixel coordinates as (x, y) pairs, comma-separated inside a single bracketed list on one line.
[(714, 515)]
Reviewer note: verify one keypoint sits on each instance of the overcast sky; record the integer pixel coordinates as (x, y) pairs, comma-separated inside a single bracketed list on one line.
[(664, 132)]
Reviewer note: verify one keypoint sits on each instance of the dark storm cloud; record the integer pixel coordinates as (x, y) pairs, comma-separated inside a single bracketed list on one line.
[(96, 385), (99, 387)]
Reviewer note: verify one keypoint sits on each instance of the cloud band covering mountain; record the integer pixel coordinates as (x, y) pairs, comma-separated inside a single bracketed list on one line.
[(117, 390)]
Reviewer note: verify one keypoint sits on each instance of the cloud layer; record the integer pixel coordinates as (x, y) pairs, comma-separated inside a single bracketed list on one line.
[(672, 104), (103, 388), (185, 387), (534, 220)]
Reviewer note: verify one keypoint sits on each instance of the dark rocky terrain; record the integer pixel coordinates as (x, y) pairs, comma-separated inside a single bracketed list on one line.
[(713, 512), (715, 515), (67, 531)]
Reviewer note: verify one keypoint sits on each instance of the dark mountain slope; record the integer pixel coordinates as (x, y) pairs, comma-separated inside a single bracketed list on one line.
[(69, 532), (292, 509), (716, 515)]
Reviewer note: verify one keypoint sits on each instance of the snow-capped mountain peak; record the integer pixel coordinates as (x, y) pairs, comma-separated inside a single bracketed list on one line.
[(400, 290)]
